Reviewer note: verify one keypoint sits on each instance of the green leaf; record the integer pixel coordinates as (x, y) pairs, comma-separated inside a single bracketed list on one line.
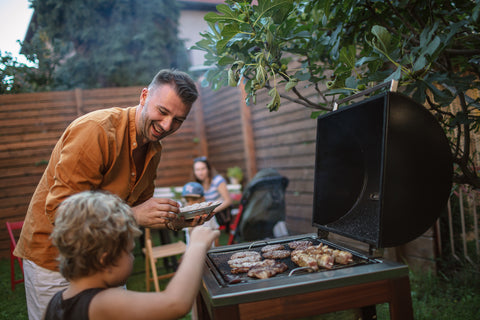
[(260, 75), (420, 63), (427, 34), (383, 37), (360, 62), (269, 38), (291, 83), (231, 78), (228, 15), (347, 56), (223, 8), (302, 76), (395, 75), (432, 46), (274, 104), (443, 97), (227, 33), (226, 60), (230, 30), (351, 82), (419, 94), (278, 10)]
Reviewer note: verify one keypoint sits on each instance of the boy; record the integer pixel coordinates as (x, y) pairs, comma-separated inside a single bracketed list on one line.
[(95, 235), (192, 192)]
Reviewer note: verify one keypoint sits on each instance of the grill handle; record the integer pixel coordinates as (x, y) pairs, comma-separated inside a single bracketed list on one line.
[(309, 269), (257, 242), (393, 88)]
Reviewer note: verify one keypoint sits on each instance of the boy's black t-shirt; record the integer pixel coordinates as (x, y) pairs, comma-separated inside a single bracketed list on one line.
[(74, 308)]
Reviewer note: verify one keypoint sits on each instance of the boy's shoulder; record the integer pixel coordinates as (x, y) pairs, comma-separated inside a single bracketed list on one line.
[(75, 308)]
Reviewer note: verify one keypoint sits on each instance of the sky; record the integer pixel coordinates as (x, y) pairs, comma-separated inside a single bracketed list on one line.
[(14, 19)]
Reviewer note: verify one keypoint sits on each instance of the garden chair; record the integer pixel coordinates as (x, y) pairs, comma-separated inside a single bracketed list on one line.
[(11, 226), (152, 254)]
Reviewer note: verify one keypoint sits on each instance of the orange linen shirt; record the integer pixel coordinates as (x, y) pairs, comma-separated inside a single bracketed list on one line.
[(94, 152)]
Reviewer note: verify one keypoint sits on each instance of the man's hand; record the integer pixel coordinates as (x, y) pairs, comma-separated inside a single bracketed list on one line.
[(180, 222), (156, 212)]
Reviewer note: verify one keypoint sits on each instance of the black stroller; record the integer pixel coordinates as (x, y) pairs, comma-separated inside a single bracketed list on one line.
[(262, 208)]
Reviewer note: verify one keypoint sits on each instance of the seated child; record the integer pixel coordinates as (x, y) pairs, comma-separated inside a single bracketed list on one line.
[(95, 235), (192, 192)]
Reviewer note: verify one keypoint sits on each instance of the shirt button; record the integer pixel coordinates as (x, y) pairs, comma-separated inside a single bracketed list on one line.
[(134, 144), (133, 174)]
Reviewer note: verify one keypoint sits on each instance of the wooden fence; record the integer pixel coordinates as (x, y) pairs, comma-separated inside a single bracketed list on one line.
[(458, 235), (220, 126), (31, 124)]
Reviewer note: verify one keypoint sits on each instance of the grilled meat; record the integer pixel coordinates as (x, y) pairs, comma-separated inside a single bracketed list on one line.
[(304, 255), (267, 271), (244, 254), (303, 259), (276, 254), (342, 257), (326, 261), (299, 244), (241, 262), (323, 256), (272, 247)]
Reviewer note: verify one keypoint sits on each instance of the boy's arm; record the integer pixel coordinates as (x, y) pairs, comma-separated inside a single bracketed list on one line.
[(172, 303)]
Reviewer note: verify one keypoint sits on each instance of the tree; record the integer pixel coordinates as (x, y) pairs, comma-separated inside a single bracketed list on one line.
[(17, 77), (342, 47), (11, 74), (104, 43)]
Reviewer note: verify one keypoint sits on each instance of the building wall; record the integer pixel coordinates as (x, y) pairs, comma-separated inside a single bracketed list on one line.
[(191, 23)]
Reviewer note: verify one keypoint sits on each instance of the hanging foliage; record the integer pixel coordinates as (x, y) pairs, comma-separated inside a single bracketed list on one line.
[(343, 47)]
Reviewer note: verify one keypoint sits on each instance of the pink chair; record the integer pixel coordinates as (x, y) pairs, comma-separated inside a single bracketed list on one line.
[(13, 243)]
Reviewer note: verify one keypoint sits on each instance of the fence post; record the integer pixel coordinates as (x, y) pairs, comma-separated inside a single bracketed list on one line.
[(200, 126), (79, 101), (247, 131)]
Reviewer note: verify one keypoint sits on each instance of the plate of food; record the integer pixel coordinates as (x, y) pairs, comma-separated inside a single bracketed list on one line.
[(197, 209)]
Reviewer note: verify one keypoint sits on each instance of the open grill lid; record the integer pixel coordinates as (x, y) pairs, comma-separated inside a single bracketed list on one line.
[(383, 171)]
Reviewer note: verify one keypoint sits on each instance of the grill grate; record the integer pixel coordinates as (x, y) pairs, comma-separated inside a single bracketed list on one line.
[(218, 262)]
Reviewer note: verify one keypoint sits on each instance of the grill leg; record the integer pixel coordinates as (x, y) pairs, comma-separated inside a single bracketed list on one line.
[(369, 313)]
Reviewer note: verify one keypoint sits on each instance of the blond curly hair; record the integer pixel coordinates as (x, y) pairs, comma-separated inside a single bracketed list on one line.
[(91, 230)]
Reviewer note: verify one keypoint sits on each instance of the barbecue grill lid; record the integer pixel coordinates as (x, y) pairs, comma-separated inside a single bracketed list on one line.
[(383, 171)]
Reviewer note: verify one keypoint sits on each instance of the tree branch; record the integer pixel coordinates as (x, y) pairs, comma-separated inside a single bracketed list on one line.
[(302, 100), (404, 21)]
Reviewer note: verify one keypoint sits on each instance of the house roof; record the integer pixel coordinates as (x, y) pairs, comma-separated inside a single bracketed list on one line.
[(204, 1), (207, 5)]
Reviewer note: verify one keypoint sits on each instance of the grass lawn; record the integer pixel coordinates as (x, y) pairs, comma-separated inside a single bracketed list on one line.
[(451, 296)]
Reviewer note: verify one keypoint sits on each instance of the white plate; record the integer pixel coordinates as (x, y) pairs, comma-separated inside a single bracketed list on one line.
[(198, 209)]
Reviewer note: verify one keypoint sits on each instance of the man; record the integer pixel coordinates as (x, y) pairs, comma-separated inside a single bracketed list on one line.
[(117, 150)]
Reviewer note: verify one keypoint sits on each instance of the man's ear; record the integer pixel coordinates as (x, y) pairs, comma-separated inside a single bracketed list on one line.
[(143, 96)]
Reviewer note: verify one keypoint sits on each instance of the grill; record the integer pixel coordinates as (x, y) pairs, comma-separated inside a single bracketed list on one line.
[(383, 173), (220, 269), (292, 295)]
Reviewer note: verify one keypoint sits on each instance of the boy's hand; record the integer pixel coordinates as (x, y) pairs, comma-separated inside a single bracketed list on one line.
[(204, 235)]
